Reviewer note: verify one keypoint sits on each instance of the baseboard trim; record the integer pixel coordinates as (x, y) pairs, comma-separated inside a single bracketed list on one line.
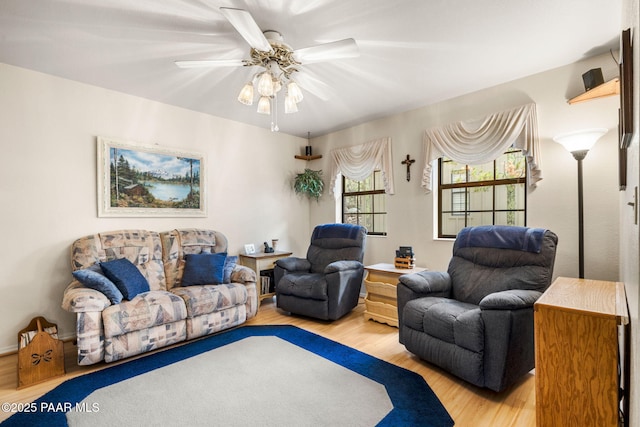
[(13, 349)]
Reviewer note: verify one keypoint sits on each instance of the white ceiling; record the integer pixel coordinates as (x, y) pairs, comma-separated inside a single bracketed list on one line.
[(412, 52)]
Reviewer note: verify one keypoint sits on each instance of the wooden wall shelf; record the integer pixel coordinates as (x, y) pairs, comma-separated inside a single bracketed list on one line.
[(307, 158), (612, 87)]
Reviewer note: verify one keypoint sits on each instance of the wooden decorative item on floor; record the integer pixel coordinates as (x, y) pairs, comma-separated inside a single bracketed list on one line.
[(40, 356)]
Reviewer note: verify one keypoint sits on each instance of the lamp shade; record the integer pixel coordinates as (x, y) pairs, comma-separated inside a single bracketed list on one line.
[(264, 105), (581, 140), (290, 105), (246, 94), (265, 84), (294, 91)]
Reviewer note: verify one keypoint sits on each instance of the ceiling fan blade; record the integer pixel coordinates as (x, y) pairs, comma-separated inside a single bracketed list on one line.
[(244, 23), (210, 63), (314, 85), (347, 48)]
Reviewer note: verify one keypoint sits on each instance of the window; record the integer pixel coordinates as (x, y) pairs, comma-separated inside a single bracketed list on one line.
[(364, 203), (491, 193)]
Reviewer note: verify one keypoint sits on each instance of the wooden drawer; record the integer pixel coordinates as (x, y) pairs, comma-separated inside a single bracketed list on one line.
[(386, 310), (267, 265), (380, 290)]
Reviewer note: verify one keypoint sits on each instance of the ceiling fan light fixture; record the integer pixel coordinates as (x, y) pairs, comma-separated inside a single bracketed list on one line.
[(294, 91), (246, 94), (276, 63), (264, 105)]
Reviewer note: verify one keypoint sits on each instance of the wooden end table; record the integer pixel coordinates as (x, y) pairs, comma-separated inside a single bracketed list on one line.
[(579, 324), (381, 299), (260, 262)]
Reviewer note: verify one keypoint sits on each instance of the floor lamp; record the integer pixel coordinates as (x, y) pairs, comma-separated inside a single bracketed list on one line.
[(579, 143)]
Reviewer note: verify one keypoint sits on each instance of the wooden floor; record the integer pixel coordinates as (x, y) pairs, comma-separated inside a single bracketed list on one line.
[(467, 405)]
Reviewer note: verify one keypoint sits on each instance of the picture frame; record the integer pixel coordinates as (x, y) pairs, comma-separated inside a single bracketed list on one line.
[(622, 159), (249, 249), (626, 89), (139, 180)]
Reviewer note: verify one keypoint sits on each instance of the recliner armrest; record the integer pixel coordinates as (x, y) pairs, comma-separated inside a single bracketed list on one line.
[(342, 266), (510, 300), (80, 299), (294, 264), (427, 282)]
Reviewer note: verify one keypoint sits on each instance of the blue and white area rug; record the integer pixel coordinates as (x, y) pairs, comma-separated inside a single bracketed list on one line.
[(252, 375)]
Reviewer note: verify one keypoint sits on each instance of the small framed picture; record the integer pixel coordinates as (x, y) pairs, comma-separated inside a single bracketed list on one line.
[(249, 249)]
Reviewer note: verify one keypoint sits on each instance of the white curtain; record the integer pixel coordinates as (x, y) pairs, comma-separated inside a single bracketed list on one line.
[(480, 141), (359, 161)]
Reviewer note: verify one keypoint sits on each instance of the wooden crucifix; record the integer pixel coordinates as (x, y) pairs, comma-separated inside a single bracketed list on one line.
[(408, 161)]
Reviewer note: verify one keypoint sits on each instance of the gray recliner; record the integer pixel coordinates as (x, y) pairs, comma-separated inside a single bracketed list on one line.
[(476, 320), (326, 284)]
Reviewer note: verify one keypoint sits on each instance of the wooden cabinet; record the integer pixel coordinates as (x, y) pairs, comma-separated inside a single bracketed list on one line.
[(262, 262), (577, 332), (381, 300)]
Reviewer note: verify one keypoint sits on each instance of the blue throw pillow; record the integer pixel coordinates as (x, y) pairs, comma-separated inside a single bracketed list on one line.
[(94, 278), (204, 269), (229, 264), (126, 277)]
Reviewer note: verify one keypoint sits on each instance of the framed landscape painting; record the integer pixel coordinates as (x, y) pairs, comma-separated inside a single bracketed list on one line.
[(149, 181)]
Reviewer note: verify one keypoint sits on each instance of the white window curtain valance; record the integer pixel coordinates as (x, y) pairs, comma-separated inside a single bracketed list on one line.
[(359, 161), (480, 141)]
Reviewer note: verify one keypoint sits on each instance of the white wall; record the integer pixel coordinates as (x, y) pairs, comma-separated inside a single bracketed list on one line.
[(552, 205), (48, 129)]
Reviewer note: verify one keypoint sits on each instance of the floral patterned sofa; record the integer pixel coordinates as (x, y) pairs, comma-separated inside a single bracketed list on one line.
[(111, 327)]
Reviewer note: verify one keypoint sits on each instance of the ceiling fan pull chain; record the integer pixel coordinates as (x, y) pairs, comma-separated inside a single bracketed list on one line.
[(274, 114)]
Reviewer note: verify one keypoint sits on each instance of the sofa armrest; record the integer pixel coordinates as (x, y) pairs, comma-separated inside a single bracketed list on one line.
[(427, 282), (294, 264), (513, 299), (242, 274), (80, 299), (338, 266), (247, 277)]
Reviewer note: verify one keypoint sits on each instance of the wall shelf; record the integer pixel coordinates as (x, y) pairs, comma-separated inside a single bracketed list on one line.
[(307, 158), (612, 87)]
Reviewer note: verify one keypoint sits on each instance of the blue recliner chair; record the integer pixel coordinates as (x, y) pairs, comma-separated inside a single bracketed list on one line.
[(476, 319), (326, 284)]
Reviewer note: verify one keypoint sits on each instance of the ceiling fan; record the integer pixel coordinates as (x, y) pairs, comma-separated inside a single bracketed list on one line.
[(279, 62)]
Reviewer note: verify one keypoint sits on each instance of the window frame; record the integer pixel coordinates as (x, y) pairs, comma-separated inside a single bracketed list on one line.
[(356, 194), (467, 185)]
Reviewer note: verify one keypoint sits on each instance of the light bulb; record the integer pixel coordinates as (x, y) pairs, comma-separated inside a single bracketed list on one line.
[(276, 85)]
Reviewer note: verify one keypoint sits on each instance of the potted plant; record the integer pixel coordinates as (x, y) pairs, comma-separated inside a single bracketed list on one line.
[(309, 183)]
